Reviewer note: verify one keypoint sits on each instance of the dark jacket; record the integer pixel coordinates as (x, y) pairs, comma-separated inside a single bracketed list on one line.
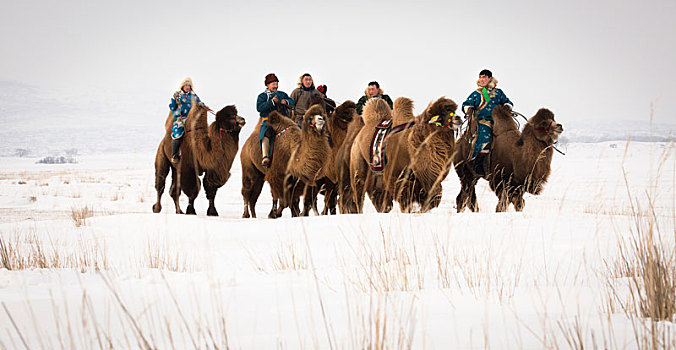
[(362, 101), (265, 104)]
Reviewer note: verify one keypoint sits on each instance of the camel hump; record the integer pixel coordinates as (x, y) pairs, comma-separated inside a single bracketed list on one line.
[(502, 116), (375, 111), (279, 122), (403, 111)]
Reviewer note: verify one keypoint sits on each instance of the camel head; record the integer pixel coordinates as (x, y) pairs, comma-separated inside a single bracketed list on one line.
[(315, 119), (441, 113), (545, 128), (228, 119)]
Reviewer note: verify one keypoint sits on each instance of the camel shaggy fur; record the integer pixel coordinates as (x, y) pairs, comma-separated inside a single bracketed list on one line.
[(419, 157), (206, 149), (298, 159), (361, 177), (520, 162)]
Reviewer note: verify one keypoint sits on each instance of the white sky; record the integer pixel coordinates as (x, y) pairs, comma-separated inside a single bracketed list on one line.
[(582, 59)]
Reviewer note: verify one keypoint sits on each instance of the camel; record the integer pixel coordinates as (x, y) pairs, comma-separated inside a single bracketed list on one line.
[(298, 159), (520, 162), (419, 155), (336, 125), (362, 180), (206, 149)]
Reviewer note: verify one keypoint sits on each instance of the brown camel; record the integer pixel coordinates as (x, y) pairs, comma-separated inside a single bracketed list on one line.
[(206, 149), (361, 178), (336, 125), (418, 151), (519, 161), (298, 159)]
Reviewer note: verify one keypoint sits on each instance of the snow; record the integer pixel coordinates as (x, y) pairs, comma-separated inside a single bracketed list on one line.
[(437, 280)]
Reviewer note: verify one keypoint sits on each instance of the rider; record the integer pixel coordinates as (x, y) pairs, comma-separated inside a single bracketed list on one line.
[(270, 100), (373, 90), (302, 96), (329, 104), (180, 105), (481, 102)]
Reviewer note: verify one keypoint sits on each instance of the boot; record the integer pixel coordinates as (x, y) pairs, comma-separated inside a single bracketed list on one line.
[(265, 150), (478, 165), (175, 150)]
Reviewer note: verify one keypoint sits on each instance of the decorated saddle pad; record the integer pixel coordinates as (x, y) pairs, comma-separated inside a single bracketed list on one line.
[(376, 151)]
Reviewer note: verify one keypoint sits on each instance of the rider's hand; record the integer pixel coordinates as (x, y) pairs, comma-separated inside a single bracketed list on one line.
[(284, 102), (508, 106), (275, 99)]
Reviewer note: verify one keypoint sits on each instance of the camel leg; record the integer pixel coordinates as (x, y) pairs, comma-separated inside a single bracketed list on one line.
[(330, 198), (358, 182), (433, 199), (274, 211), (503, 202), (255, 193), (212, 182), (175, 189), (162, 167), (517, 200), (191, 187), (252, 184), (308, 193)]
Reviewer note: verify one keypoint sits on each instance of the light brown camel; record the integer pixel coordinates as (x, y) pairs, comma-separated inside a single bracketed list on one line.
[(206, 149), (298, 159), (419, 157), (361, 177), (519, 161), (336, 125)]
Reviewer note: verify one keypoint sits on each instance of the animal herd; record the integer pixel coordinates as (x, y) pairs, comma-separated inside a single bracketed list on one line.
[(332, 154)]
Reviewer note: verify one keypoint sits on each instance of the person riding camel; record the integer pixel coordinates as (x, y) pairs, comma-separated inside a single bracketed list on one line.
[(302, 96), (270, 100), (373, 90), (481, 103), (180, 105), (329, 104)]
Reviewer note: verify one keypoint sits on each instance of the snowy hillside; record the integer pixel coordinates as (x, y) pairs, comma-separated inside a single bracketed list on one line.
[(92, 267)]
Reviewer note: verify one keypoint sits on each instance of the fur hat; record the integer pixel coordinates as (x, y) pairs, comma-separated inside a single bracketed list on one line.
[(322, 89), (270, 78), (186, 81)]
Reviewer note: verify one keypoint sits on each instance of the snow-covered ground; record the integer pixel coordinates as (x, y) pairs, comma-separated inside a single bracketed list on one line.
[(127, 278)]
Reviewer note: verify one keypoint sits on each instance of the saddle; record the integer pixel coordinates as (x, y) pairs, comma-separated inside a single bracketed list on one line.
[(377, 158)]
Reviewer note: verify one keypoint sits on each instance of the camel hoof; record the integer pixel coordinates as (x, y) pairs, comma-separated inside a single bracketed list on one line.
[(157, 208), (245, 215), (190, 210), (212, 212), (179, 211), (272, 215)]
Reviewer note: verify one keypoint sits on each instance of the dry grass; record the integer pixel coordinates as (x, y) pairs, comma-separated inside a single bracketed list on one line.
[(29, 250), (80, 215), (161, 256)]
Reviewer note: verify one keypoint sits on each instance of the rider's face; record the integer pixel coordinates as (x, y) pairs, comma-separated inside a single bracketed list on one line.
[(307, 81), (186, 88), (484, 80), (273, 86), (372, 90)]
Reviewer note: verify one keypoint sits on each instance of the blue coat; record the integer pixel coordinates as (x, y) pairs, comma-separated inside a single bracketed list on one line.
[(181, 102), (180, 106), (265, 104), (476, 99)]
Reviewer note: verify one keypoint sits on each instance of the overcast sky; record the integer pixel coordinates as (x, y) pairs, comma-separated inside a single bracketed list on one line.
[(582, 59)]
